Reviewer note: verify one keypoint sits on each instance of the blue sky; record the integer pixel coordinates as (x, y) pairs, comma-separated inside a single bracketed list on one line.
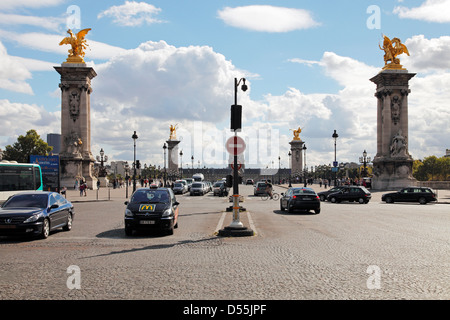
[(308, 64)]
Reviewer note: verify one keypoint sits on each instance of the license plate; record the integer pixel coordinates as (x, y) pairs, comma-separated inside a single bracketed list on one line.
[(7, 226), (147, 222), (147, 208), (306, 198)]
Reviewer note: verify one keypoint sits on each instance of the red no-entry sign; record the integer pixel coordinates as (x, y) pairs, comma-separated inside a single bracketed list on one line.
[(235, 145)]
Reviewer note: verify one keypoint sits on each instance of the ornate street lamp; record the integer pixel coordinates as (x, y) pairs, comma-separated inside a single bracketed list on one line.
[(134, 137), (102, 158), (335, 136), (165, 172), (305, 167), (364, 160), (181, 164)]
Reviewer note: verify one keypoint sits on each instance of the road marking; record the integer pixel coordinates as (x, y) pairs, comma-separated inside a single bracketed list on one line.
[(219, 225), (250, 221)]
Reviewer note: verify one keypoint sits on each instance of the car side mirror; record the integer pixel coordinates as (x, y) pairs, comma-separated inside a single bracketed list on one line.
[(176, 203), (53, 206), (282, 193), (126, 203)]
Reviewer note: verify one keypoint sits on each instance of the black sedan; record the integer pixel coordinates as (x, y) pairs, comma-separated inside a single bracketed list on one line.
[(324, 194), (411, 194), (300, 198), (35, 213), (151, 209), (351, 194)]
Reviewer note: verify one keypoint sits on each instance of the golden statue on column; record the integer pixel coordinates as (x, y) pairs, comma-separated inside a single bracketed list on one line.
[(297, 134), (392, 49), (78, 44), (173, 132)]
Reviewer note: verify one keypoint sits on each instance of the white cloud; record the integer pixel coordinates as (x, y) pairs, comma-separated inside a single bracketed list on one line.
[(427, 54), (132, 14), (17, 118), (12, 4), (50, 23), (267, 18), (430, 10), (13, 74)]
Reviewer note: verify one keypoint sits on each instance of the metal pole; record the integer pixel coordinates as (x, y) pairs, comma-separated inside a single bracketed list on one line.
[(236, 218)]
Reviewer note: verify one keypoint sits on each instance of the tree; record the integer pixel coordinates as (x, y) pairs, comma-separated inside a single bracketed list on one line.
[(432, 169), (30, 144)]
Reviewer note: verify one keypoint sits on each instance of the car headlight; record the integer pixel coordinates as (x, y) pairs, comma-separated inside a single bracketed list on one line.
[(167, 213), (33, 218), (128, 213)]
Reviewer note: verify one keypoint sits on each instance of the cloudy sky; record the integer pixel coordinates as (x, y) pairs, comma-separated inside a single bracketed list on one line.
[(162, 62)]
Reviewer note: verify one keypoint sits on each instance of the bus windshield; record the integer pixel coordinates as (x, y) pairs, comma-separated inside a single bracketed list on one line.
[(19, 177)]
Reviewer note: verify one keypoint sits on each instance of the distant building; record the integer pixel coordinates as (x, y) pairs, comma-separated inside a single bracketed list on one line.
[(447, 153), (54, 140), (1, 154)]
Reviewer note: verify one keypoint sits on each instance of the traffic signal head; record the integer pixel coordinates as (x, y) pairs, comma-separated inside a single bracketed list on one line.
[(236, 117)]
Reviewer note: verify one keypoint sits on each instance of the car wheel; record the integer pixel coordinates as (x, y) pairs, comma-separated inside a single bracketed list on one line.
[(361, 200), (68, 226), (281, 207), (290, 209), (317, 211), (171, 230), (422, 200), (322, 197), (389, 200), (333, 200), (45, 229), (128, 231)]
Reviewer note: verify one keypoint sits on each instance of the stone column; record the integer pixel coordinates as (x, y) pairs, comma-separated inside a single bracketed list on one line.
[(76, 158), (296, 157), (172, 147), (393, 163)]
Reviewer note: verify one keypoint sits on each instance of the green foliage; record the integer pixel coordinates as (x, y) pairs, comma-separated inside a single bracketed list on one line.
[(30, 144), (432, 169)]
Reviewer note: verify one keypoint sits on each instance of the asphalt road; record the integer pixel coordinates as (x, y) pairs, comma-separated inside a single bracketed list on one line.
[(348, 251)]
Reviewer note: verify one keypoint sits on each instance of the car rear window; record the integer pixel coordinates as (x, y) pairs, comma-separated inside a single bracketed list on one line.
[(303, 191), (218, 184), (178, 185)]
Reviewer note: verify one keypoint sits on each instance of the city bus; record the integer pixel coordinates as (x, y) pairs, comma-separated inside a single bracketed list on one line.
[(16, 177)]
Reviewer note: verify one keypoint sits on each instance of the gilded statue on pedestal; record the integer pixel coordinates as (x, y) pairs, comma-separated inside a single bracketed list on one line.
[(173, 132), (392, 49), (78, 44), (297, 134)]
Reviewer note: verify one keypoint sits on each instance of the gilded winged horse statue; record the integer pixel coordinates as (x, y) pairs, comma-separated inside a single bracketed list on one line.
[(78, 44), (393, 48)]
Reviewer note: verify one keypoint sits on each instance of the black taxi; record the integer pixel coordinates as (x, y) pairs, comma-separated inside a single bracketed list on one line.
[(151, 208)]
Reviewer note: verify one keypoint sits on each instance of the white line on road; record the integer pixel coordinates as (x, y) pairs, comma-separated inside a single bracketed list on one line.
[(219, 225)]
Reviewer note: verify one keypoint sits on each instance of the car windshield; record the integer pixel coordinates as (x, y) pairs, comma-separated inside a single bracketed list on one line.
[(365, 190), (178, 185), (147, 196), (303, 191), (218, 184), (27, 201), (197, 185)]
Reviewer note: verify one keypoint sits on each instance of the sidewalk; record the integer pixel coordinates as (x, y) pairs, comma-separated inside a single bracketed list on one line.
[(103, 194)]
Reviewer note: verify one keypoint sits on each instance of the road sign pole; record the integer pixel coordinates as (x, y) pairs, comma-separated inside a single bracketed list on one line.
[(236, 223)]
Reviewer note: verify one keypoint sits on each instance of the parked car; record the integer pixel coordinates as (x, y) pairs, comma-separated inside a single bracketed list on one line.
[(300, 198), (219, 188), (323, 195), (260, 188), (179, 188), (35, 214), (197, 188), (411, 194), (351, 193), (151, 209)]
